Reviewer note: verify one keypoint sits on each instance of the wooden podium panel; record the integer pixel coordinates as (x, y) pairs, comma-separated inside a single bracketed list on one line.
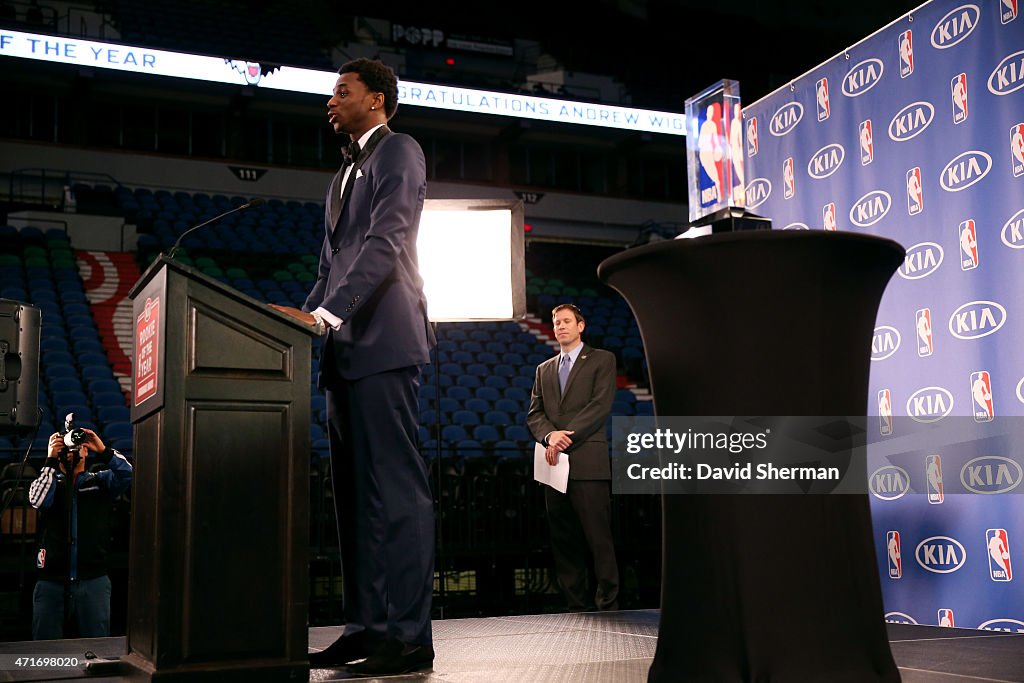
[(218, 576)]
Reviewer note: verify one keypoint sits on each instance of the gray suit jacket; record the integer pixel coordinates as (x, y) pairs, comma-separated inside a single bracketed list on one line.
[(369, 275), (584, 409)]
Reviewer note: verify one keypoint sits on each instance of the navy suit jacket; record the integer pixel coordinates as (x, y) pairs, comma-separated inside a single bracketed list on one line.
[(369, 275)]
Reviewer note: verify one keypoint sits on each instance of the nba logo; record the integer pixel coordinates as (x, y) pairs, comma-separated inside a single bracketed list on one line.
[(752, 136), (828, 216), (867, 143), (958, 89), (946, 618), (981, 394), (933, 479), (924, 333), (999, 567), (884, 412), (824, 107), (892, 544), (968, 245), (1007, 11), (915, 193), (788, 181), (1017, 149), (906, 49)]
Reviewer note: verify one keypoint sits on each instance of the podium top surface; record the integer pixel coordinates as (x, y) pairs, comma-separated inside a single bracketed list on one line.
[(163, 261), (755, 238)]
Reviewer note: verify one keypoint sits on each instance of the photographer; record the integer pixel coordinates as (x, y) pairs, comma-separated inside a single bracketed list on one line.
[(87, 510)]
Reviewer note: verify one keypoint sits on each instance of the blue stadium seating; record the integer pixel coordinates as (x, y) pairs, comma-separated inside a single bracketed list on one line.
[(470, 381), (477, 405), (458, 392), (519, 434), (488, 393), (469, 448), (496, 381), (497, 417), (465, 418), (452, 433)]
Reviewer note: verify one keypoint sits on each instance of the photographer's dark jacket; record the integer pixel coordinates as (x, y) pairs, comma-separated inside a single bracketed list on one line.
[(91, 510)]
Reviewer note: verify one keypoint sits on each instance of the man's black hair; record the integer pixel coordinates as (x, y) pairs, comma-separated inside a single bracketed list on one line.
[(377, 77)]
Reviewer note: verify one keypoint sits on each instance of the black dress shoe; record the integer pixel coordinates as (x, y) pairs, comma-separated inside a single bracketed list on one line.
[(395, 660), (344, 650)]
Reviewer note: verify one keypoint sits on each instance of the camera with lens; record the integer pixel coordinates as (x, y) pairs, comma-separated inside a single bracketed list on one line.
[(73, 437)]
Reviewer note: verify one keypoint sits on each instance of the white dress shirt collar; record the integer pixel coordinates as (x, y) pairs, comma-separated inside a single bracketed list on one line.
[(573, 355)]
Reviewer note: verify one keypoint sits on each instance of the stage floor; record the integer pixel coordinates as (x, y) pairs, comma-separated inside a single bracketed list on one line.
[(611, 647)]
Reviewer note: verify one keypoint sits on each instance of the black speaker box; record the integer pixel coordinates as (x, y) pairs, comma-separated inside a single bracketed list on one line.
[(19, 366)]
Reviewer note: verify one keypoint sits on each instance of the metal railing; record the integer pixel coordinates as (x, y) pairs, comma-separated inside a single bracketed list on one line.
[(46, 186), (34, 15)]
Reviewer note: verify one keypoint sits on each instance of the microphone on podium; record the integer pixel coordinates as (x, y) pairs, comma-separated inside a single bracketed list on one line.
[(177, 243)]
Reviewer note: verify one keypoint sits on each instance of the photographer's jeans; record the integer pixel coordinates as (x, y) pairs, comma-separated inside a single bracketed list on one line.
[(90, 608)]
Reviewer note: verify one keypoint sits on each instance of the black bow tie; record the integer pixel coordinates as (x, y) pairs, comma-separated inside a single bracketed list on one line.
[(350, 152)]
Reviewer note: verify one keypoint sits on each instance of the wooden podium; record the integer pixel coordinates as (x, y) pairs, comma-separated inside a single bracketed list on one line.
[(218, 576), (763, 587)]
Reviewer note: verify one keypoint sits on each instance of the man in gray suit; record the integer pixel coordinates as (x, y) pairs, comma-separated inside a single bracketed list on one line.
[(571, 401), (368, 300)]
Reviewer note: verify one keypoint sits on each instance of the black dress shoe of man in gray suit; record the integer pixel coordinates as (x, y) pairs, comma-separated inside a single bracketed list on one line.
[(395, 657), (345, 650)]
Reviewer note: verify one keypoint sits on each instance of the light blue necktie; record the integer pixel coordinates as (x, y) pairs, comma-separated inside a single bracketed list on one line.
[(563, 371)]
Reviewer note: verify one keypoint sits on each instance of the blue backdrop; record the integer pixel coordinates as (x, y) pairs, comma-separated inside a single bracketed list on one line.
[(915, 134)]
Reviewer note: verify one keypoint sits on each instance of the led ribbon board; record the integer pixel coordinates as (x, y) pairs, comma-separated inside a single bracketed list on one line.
[(237, 72)]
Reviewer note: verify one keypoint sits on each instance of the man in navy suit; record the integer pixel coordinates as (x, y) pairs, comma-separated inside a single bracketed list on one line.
[(368, 299), (569, 406)]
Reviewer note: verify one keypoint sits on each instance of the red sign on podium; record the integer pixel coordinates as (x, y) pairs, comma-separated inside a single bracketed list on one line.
[(147, 351)]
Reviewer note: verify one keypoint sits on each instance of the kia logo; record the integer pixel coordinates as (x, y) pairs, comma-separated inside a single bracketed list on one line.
[(870, 208), (758, 190), (930, 404), (826, 161), (786, 118), (955, 26), (1008, 75), (964, 170), (976, 319), (940, 554), (899, 618), (1007, 625), (885, 342), (889, 482), (911, 121), (1013, 231), (863, 77), (991, 474), (922, 259)]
